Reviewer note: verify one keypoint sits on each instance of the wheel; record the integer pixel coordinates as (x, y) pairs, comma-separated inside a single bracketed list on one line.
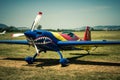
[(29, 60), (64, 62)]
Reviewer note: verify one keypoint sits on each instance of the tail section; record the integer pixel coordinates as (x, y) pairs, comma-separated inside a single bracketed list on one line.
[(87, 35), (4, 32)]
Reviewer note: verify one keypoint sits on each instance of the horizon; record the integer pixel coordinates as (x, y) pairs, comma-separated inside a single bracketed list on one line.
[(98, 27), (63, 14)]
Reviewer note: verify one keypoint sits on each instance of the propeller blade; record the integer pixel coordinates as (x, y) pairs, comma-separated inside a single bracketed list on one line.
[(37, 51), (37, 19), (17, 34)]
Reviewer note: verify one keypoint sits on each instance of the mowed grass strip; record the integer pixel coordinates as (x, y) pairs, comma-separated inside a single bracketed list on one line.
[(102, 64)]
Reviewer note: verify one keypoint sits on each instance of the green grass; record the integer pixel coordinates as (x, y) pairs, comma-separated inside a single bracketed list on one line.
[(102, 64), (8, 73)]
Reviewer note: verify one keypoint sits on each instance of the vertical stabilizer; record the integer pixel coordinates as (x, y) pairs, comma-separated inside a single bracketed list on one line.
[(3, 32), (87, 35)]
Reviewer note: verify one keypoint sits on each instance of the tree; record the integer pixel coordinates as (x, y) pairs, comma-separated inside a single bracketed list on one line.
[(11, 29), (39, 27)]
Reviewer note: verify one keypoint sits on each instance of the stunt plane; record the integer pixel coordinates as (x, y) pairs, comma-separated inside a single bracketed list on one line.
[(43, 41)]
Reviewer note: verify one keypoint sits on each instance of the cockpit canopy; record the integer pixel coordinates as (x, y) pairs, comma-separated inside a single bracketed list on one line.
[(70, 36)]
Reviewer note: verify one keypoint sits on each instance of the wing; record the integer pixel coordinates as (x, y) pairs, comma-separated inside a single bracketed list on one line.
[(86, 43), (23, 42)]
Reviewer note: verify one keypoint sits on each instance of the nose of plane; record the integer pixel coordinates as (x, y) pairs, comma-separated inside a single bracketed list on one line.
[(30, 34)]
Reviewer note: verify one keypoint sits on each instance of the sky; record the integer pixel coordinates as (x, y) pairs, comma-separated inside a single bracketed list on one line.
[(60, 14)]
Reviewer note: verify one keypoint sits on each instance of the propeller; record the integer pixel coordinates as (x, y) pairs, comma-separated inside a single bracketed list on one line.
[(35, 24)]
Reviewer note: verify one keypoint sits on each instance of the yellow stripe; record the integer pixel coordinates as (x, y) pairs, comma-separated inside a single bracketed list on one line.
[(58, 36)]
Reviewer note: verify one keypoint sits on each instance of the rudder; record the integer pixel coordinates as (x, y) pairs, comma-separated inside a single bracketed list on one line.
[(87, 35)]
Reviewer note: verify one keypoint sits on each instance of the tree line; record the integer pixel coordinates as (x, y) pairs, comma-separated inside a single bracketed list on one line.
[(23, 29), (15, 29)]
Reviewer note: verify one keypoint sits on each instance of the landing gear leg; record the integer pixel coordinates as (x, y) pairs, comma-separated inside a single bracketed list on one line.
[(30, 60), (63, 61)]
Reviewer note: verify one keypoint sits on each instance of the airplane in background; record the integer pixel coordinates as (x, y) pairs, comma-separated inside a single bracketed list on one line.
[(2, 32), (43, 41)]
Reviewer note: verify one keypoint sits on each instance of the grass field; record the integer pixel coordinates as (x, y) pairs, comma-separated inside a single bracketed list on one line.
[(102, 64)]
